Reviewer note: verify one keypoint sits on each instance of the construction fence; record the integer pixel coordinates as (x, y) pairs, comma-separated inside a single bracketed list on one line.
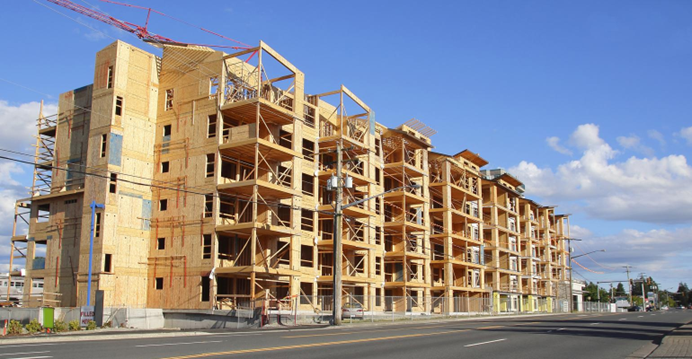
[(598, 307), (318, 309)]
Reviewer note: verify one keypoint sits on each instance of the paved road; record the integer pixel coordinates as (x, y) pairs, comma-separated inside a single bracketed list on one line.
[(606, 335)]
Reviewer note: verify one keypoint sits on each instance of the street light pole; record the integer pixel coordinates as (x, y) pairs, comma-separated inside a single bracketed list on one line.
[(571, 282), (336, 310), (337, 249)]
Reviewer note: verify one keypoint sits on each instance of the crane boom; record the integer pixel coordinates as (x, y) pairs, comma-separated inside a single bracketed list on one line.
[(139, 31)]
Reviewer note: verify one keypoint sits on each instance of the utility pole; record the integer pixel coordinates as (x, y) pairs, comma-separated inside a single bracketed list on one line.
[(629, 284), (644, 302), (336, 310), (571, 283)]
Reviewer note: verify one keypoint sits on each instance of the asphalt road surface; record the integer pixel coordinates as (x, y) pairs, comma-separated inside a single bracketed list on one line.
[(604, 335)]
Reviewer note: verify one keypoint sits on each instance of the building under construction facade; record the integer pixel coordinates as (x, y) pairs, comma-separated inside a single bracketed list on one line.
[(201, 180)]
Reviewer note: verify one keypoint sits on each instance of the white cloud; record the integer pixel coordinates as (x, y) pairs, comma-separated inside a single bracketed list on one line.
[(653, 134), (586, 136), (554, 143), (654, 190), (628, 142), (579, 232), (633, 142), (18, 124), (659, 253), (686, 133)]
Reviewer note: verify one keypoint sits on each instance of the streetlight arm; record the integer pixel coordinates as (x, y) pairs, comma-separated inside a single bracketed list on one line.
[(581, 255)]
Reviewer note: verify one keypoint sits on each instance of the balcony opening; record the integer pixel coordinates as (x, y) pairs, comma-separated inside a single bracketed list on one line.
[(104, 143), (308, 150), (158, 283), (205, 288), (118, 106), (43, 213), (285, 139), (113, 186), (306, 256), (208, 205), (210, 165), (108, 263), (206, 246), (163, 205), (307, 222), (227, 210), (284, 214), (229, 170), (109, 82), (97, 225), (326, 229), (161, 243), (211, 126), (308, 184)]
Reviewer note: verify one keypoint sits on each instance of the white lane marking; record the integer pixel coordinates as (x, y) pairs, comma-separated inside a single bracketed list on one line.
[(653, 315), (561, 329), (595, 323), (26, 345), (582, 315), (641, 316), (41, 357), (244, 335), (483, 343), (170, 344), (25, 353), (621, 319)]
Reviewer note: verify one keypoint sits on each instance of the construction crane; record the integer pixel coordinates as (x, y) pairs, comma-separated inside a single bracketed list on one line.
[(140, 31)]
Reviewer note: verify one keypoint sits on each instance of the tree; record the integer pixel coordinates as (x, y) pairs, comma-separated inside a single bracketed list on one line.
[(592, 291), (683, 295), (620, 290)]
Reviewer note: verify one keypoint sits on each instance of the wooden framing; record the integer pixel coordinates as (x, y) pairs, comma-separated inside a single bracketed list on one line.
[(213, 170)]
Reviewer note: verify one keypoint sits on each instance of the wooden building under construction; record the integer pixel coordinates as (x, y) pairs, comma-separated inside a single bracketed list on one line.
[(215, 174)]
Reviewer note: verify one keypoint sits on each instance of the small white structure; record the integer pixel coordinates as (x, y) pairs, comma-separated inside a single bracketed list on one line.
[(578, 294)]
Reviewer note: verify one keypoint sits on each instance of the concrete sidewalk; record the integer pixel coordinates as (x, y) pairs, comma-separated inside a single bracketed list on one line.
[(676, 344)]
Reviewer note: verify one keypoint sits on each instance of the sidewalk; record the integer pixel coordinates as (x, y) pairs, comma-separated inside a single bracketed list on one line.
[(676, 344)]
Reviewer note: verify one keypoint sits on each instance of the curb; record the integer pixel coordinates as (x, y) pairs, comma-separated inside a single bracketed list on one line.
[(69, 337)]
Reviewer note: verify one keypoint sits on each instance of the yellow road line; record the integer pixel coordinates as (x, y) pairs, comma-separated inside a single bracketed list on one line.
[(493, 327), (313, 345)]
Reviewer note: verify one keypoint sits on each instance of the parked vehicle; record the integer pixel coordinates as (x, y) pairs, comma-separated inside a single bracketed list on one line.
[(634, 308), (352, 310)]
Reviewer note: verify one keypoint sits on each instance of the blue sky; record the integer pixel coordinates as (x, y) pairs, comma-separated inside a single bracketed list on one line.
[(589, 102)]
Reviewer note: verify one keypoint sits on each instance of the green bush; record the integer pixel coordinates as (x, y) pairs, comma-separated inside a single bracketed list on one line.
[(91, 325), (59, 326), (34, 326), (74, 325), (107, 324), (15, 327)]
